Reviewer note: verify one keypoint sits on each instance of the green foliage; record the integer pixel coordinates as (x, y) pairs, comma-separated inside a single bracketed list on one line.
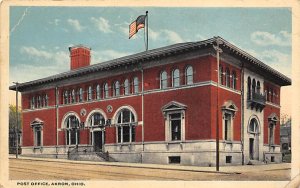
[(13, 117)]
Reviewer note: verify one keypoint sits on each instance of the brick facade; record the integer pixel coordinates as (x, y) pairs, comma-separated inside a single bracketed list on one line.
[(196, 104)]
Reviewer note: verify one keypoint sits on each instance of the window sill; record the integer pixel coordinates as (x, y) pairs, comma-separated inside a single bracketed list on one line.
[(175, 142), (228, 141)]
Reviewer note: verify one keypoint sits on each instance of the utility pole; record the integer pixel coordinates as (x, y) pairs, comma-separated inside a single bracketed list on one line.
[(218, 51), (17, 121)]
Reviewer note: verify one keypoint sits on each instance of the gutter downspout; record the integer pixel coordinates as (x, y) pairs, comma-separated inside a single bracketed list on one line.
[(242, 113), (56, 116), (143, 145)]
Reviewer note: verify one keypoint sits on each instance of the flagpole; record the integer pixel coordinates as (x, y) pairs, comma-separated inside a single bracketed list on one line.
[(147, 29)]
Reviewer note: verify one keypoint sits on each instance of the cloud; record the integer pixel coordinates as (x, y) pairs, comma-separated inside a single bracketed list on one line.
[(102, 24), (75, 24), (153, 34), (262, 38), (171, 36), (55, 22), (33, 52), (43, 57), (278, 60), (105, 55)]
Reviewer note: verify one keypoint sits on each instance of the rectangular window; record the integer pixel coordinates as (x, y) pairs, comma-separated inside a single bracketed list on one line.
[(272, 159), (227, 127), (38, 136), (228, 159), (174, 160), (271, 134), (175, 123)]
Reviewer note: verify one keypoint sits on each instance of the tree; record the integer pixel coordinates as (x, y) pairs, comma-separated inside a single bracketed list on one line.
[(13, 117)]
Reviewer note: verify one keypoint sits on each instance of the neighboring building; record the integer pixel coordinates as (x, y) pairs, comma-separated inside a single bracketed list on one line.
[(158, 106), (285, 137), (12, 140)]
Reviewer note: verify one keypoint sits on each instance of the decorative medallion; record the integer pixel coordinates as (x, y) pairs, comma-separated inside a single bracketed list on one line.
[(109, 108), (83, 112)]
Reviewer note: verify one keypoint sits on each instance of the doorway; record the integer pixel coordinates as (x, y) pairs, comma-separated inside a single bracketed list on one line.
[(251, 148), (98, 140)]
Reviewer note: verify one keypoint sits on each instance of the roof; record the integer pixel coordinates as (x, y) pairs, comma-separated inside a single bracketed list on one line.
[(250, 62)]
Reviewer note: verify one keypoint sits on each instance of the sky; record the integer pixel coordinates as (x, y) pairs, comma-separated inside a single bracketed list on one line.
[(40, 36)]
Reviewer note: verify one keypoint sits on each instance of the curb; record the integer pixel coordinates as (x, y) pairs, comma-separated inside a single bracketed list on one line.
[(132, 165)]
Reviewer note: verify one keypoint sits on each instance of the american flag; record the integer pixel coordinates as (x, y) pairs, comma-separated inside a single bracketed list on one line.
[(136, 25)]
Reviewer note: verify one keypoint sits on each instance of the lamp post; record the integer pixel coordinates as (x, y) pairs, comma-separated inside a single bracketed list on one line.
[(218, 51), (17, 121)]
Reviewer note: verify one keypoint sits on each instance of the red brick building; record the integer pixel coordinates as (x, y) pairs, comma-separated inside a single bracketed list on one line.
[(158, 106)]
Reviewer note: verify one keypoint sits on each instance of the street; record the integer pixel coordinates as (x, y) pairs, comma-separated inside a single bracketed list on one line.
[(47, 169)]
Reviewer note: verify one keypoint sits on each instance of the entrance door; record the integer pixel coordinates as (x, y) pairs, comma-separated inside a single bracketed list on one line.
[(98, 140), (251, 148)]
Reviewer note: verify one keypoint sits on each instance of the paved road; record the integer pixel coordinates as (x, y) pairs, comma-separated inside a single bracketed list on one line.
[(31, 169)]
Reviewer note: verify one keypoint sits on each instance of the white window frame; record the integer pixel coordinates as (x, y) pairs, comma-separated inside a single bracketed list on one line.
[(163, 82), (68, 131), (175, 78), (35, 136), (90, 93), (105, 90), (116, 89), (174, 107), (227, 115), (98, 96), (126, 87), (129, 124), (168, 126), (135, 85), (188, 75), (229, 110)]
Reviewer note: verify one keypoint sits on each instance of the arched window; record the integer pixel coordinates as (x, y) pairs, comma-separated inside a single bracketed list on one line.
[(66, 96), (221, 75), (46, 100), (253, 86), (96, 120), (126, 87), (249, 88), (227, 77), (126, 123), (33, 103), (258, 87), (175, 78), (189, 75), (135, 85), (116, 88), (274, 96), (253, 126), (73, 98), (105, 90), (271, 95), (163, 80), (39, 105), (89, 94), (80, 95), (98, 91), (234, 78), (72, 130)]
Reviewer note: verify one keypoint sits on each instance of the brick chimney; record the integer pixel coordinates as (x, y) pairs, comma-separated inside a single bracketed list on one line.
[(80, 56)]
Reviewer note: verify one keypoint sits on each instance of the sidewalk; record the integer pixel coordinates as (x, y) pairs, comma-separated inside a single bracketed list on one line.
[(223, 169)]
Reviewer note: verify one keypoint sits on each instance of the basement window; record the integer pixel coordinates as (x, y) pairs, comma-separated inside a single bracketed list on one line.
[(228, 159), (272, 159), (174, 160)]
